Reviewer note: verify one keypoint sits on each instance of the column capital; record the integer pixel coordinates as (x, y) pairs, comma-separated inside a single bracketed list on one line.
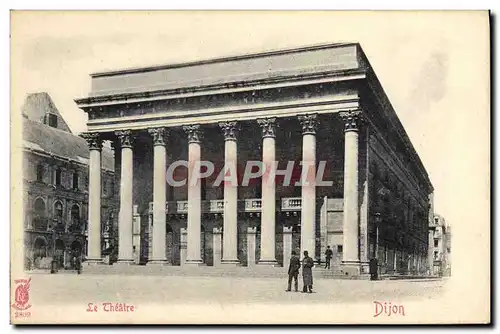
[(309, 123), (93, 139), (126, 138), (352, 119), (230, 130), (160, 136), (194, 133), (268, 126)]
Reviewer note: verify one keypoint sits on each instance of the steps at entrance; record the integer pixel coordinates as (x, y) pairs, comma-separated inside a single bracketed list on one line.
[(168, 270), (209, 271)]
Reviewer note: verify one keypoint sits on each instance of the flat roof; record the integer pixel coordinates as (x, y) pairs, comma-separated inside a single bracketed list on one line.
[(239, 56)]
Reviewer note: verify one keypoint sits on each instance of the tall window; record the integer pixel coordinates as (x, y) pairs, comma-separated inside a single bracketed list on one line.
[(39, 173), (75, 180), (39, 219), (436, 242), (58, 177), (75, 218)]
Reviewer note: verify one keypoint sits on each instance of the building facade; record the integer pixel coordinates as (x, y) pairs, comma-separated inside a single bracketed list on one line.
[(320, 106), (55, 167), (440, 246)]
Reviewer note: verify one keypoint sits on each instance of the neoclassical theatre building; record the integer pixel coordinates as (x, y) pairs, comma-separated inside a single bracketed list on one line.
[(314, 104)]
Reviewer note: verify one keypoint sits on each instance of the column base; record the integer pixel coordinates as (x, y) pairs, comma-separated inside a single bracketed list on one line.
[(194, 263), (157, 262), (365, 268), (93, 262), (230, 263), (350, 268), (122, 262), (269, 263)]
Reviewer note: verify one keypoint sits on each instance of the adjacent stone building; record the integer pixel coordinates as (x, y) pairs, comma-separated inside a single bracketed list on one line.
[(55, 167), (440, 246), (311, 105)]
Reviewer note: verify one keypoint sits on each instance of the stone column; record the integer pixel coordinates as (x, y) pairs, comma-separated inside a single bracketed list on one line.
[(159, 249), (125, 218), (350, 260), (251, 232), (94, 226), (396, 256), (287, 246), (194, 196), (268, 216), (217, 246), (230, 229), (308, 178)]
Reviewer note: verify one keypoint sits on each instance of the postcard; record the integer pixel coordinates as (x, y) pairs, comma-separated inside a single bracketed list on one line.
[(260, 167)]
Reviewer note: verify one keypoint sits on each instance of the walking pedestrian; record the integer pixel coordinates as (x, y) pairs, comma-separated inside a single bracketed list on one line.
[(293, 271), (307, 278)]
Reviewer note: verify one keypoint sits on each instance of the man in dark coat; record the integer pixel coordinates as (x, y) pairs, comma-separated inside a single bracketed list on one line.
[(328, 255), (307, 277), (373, 269), (293, 271)]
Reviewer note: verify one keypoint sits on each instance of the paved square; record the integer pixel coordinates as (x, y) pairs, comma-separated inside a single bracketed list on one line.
[(71, 288)]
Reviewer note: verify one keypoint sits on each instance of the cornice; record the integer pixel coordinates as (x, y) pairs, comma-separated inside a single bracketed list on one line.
[(61, 158), (140, 122)]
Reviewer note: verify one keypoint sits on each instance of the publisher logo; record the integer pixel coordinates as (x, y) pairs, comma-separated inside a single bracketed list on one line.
[(22, 294)]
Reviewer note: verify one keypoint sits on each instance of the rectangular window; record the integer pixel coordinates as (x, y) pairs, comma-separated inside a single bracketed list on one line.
[(39, 173), (339, 249), (75, 180), (436, 242), (52, 120)]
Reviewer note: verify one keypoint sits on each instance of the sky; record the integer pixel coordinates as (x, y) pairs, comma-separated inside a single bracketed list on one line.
[(434, 67)]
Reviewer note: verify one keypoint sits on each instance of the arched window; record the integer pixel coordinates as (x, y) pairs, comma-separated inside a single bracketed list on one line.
[(39, 172), (58, 211), (39, 206), (39, 249), (40, 220)]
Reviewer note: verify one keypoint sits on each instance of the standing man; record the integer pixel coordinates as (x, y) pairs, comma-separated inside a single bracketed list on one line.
[(373, 269), (78, 264), (293, 271), (307, 277), (328, 254)]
